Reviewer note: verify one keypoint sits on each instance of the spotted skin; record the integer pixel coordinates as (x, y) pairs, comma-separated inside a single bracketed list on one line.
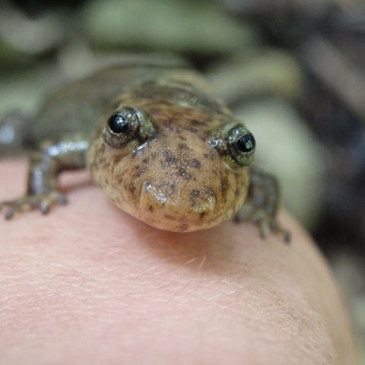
[(175, 175)]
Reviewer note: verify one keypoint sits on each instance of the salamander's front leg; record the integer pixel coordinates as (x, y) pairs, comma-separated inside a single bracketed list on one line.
[(262, 204), (45, 166)]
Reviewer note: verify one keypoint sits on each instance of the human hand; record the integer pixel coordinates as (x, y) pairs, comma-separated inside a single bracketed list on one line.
[(88, 284)]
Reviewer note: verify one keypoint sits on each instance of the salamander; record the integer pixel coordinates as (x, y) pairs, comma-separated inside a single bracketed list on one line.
[(157, 141)]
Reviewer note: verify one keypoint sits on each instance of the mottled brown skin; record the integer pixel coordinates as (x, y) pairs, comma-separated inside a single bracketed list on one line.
[(176, 179)]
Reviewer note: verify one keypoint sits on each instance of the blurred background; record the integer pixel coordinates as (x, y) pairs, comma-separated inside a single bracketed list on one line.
[(293, 70)]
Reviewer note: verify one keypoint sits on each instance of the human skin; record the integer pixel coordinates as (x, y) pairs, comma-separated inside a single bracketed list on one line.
[(88, 284)]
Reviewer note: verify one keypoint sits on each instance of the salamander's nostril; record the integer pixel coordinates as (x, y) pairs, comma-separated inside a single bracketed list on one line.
[(205, 205)]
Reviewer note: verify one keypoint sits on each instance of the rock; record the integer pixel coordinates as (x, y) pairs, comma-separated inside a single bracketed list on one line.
[(23, 38), (187, 26), (260, 72)]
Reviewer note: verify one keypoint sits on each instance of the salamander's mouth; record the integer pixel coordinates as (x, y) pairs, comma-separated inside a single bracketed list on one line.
[(168, 208)]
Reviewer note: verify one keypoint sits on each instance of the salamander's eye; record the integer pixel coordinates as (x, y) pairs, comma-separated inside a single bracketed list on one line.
[(241, 145), (246, 143), (125, 125), (235, 143), (122, 127), (118, 124)]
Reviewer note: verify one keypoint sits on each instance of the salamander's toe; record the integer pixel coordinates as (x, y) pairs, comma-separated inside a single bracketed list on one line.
[(42, 202)]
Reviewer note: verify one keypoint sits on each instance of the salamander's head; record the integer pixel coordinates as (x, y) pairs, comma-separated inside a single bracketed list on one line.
[(170, 176)]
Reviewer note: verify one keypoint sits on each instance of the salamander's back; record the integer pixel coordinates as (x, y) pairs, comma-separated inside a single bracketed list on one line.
[(78, 106)]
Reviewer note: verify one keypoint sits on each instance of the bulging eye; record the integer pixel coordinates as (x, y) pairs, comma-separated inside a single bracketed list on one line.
[(241, 145), (125, 125), (119, 124), (246, 143), (235, 143)]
